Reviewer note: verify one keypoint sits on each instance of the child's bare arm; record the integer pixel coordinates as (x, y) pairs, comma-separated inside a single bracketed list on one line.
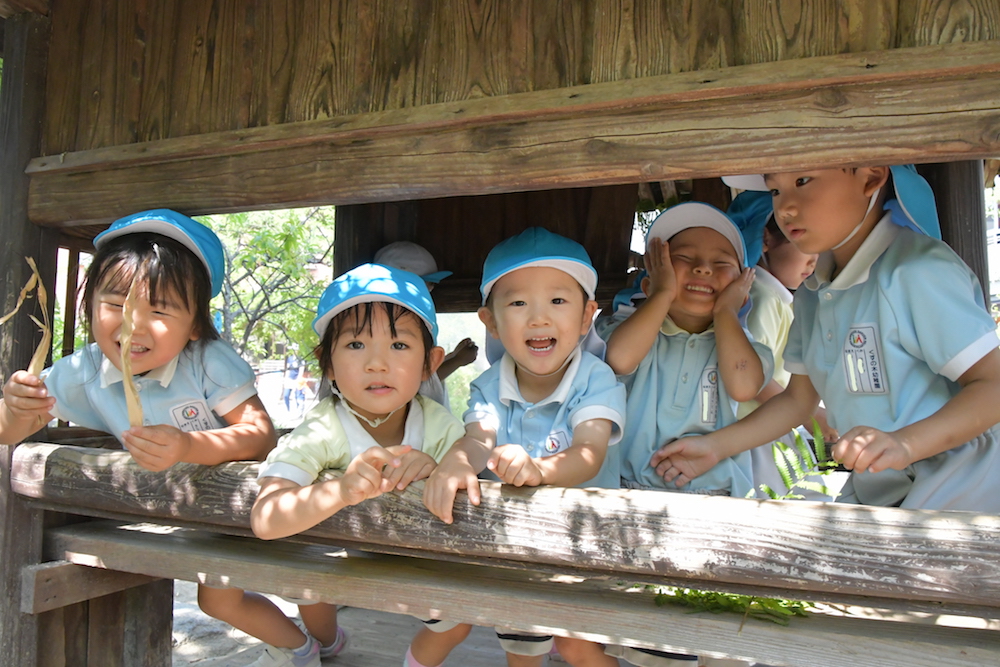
[(739, 366), (686, 458), (249, 437), (632, 339), (970, 412), (458, 470), (24, 407), (284, 508), (583, 460)]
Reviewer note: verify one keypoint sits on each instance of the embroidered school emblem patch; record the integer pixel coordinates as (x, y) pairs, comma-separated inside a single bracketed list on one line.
[(708, 395), (192, 416), (863, 369)]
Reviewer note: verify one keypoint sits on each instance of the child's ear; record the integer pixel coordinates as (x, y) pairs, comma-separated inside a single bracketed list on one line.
[(434, 361), (644, 285), (588, 317), (766, 243), (875, 177), (486, 317)]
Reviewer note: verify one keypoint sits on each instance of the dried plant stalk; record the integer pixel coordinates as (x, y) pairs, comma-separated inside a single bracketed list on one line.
[(35, 283), (42, 351), (28, 286), (125, 340)]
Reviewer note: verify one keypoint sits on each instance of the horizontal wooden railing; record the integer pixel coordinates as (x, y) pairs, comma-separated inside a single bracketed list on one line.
[(922, 104), (573, 547)]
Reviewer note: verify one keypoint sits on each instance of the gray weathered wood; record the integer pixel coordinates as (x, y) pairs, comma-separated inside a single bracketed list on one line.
[(21, 105), (816, 550), (55, 584), (597, 609), (961, 208), (938, 103)]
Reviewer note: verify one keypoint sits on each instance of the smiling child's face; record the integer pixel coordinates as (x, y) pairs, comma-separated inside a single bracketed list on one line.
[(705, 263), (160, 330), (378, 372), (539, 314)]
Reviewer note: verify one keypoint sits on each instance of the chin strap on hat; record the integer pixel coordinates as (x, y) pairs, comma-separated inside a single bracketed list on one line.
[(374, 423), (871, 205)]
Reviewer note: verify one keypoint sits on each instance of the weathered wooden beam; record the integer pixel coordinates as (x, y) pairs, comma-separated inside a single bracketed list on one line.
[(22, 103), (598, 609), (936, 103), (12, 7), (55, 584), (818, 550)]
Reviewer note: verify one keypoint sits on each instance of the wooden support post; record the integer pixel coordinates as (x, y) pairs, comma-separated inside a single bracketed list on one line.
[(21, 108), (362, 229), (958, 189)]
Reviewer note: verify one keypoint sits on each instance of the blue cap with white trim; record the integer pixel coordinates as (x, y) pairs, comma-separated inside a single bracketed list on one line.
[(913, 205), (195, 236), (537, 246), (373, 283)]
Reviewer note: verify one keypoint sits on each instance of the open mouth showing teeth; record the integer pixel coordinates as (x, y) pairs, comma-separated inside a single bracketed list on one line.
[(135, 349), (541, 344), (700, 288)]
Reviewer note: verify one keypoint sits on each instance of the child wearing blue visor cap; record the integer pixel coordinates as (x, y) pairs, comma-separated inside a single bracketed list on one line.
[(781, 267), (198, 397), (197, 394), (686, 357), (546, 413), (377, 331), (892, 333)]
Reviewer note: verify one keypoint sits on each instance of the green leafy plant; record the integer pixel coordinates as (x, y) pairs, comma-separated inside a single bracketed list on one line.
[(797, 464), (774, 610)]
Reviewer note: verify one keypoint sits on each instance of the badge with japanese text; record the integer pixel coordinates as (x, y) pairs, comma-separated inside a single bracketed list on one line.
[(863, 361)]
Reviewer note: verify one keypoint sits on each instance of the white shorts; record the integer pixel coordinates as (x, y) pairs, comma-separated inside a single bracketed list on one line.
[(512, 641)]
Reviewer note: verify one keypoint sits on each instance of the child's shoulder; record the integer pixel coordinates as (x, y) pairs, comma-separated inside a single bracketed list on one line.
[(87, 359), (915, 261)]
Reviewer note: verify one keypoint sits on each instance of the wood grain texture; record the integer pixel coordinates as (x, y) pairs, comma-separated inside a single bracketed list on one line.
[(172, 68), (11, 7), (55, 584), (21, 103), (816, 549), (596, 609), (938, 104), (923, 22)]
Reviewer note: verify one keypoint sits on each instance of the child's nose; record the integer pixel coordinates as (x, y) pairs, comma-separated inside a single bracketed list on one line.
[(376, 360), (784, 208), (703, 267)]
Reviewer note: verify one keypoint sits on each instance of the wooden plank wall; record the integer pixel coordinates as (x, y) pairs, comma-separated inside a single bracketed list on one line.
[(125, 71)]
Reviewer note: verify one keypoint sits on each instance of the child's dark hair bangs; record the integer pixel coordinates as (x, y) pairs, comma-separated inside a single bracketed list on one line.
[(358, 319), (166, 267)]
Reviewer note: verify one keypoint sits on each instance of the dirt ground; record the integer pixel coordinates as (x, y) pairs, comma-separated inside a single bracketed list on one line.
[(377, 639)]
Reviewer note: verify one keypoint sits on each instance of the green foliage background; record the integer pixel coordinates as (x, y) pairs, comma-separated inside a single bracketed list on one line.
[(278, 265)]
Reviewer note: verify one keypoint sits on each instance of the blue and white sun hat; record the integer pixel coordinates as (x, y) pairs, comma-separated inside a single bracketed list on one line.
[(913, 205), (693, 214), (751, 211), (411, 257), (195, 236), (373, 283), (537, 246)]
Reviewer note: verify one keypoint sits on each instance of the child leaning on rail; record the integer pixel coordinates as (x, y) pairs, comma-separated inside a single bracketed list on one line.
[(378, 328), (780, 269), (892, 333), (546, 413), (198, 397), (686, 359)]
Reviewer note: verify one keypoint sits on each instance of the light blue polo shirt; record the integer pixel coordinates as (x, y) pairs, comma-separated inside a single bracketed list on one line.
[(675, 391), (191, 392), (885, 342), (588, 390)]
